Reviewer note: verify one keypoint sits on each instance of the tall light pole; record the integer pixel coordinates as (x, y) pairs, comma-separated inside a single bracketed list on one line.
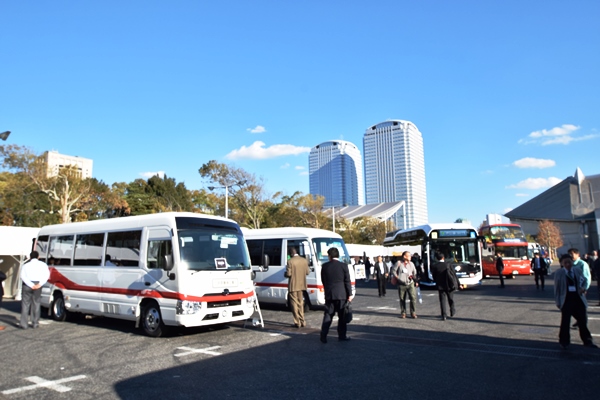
[(226, 187)]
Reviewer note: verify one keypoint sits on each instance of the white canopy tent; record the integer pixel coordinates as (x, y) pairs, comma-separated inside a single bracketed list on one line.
[(15, 245)]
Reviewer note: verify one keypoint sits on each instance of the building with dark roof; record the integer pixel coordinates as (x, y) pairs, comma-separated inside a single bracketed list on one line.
[(573, 205)]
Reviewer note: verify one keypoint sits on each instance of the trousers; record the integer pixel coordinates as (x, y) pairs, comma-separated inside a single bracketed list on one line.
[(331, 308), (297, 305), (30, 306), (446, 296), (573, 307), (403, 291)]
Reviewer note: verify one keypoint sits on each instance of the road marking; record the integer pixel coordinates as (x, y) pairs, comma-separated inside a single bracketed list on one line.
[(596, 334), (594, 318), (41, 382), (382, 308), (45, 322), (189, 350)]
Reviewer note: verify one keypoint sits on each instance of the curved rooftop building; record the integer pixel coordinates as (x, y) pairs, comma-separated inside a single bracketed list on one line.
[(336, 173), (395, 169)]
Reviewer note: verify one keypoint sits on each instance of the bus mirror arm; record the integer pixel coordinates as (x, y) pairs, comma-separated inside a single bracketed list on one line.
[(171, 275)]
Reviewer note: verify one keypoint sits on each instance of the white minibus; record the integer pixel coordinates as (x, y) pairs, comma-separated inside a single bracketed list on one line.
[(269, 251), (167, 269)]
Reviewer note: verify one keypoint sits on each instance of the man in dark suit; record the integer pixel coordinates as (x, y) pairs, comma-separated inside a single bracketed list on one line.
[(500, 268), (338, 290), (2, 278), (540, 269), (446, 282), (381, 273)]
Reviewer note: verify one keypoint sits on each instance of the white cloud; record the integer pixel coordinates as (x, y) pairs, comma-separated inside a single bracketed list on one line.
[(535, 183), (565, 129), (507, 210), (285, 166), (303, 173), (258, 151), (563, 134), (299, 167), (160, 174), (258, 129), (522, 195), (530, 162)]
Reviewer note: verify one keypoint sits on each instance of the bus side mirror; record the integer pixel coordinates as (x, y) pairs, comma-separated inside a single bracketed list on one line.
[(265, 264), (253, 275), (483, 242), (168, 262)]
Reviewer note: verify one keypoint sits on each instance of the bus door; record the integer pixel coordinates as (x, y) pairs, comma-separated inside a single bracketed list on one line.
[(122, 276), (271, 285), (314, 277)]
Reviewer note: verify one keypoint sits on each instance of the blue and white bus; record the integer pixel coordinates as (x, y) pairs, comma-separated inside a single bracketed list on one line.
[(459, 243)]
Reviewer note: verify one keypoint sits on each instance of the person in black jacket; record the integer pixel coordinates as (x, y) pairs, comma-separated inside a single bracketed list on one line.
[(500, 267), (381, 273), (446, 281), (2, 278), (540, 269), (338, 290)]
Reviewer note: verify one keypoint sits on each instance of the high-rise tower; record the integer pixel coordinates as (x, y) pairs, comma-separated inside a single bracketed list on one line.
[(395, 169), (336, 173)]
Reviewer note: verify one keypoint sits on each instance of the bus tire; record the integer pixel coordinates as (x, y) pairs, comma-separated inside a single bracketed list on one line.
[(152, 322), (58, 311)]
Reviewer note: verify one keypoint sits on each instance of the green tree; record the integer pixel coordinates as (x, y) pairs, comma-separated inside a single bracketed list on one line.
[(170, 195)]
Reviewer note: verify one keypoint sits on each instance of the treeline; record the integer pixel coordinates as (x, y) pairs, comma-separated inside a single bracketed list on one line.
[(29, 197)]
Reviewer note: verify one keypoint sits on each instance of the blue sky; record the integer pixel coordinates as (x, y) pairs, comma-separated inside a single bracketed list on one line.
[(505, 93)]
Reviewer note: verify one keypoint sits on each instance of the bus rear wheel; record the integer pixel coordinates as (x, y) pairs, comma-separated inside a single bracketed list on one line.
[(58, 311), (152, 322)]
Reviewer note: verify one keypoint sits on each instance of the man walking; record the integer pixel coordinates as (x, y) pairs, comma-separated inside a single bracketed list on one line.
[(405, 272), (34, 274), (338, 291), (2, 279), (446, 282), (540, 269), (381, 273), (500, 267), (569, 296), (297, 270)]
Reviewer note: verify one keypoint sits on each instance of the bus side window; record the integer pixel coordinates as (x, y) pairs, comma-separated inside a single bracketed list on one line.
[(159, 251)]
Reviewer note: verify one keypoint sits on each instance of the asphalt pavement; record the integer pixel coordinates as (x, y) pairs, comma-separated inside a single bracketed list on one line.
[(502, 344)]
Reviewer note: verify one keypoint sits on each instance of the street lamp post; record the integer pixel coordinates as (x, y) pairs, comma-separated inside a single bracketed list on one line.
[(226, 187)]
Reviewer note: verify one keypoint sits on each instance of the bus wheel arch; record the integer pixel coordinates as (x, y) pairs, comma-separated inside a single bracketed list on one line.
[(151, 318), (58, 310)]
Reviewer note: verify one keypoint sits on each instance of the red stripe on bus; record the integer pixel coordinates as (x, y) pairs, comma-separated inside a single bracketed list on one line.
[(62, 282)]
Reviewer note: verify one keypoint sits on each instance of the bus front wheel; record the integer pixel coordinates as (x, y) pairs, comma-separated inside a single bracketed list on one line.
[(57, 308), (152, 322)]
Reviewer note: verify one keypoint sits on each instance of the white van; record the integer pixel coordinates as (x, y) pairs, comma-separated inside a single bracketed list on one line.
[(269, 252)]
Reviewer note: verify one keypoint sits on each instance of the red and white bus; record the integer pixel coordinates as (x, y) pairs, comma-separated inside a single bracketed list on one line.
[(510, 240), (177, 269)]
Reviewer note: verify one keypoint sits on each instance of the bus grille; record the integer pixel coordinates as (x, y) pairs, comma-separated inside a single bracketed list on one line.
[(226, 303)]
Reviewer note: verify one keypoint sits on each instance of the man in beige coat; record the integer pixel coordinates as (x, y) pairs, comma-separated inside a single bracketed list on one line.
[(297, 270)]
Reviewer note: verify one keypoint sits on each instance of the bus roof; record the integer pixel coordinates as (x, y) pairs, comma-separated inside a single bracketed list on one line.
[(137, 221), (288, 232), (414, 235)]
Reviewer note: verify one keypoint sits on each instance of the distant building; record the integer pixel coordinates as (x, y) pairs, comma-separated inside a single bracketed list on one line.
[(573, 205), (493, 219), (336, 173), (395, 170), (82, 167)]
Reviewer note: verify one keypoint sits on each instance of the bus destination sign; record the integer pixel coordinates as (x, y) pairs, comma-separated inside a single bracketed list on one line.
[(454, 233)]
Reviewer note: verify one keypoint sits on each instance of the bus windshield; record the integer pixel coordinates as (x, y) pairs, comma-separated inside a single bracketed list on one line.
[(323, 244), (519, 252), (458, 251), (506, 232), (210, 249)]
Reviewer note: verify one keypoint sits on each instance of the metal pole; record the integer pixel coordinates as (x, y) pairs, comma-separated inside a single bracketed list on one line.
[(226, 202), (333, 210)]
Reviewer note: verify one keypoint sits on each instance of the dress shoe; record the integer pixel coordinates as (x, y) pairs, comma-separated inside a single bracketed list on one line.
[(296, 326), (443, 317), (344, 339), (403, 316), (590, 344), (564, 346), (413, 315), (323, 339)]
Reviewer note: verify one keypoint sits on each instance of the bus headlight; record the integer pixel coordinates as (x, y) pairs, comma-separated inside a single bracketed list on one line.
[(185, 307)]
